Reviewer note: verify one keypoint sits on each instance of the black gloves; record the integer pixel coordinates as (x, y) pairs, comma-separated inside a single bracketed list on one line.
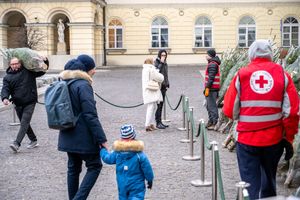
[(149, 185), (289, 150)]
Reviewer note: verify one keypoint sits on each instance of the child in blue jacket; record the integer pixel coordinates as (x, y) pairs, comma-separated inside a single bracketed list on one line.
[(132, 165)]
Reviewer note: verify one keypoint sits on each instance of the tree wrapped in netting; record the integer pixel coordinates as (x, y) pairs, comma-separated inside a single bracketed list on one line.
[(31, 60)]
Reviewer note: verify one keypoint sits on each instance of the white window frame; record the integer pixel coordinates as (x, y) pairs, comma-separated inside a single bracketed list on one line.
[(159, 27), (290, 25), (246, 27), (115, 28), (204, 27)]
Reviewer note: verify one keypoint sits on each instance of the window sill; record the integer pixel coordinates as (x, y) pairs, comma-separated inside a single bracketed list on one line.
[(115, 51), (201, 49), (156, 50)]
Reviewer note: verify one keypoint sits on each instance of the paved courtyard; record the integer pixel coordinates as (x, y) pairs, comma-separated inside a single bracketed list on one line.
[(40, 173)]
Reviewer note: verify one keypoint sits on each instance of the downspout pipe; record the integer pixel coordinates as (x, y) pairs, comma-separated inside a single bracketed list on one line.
[(104, 34)]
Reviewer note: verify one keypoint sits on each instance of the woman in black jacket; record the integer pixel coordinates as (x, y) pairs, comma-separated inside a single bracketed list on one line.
[(161, 64)]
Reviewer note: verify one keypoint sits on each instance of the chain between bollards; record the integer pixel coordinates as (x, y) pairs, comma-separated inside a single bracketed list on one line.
[(191, 157), (183, 128)]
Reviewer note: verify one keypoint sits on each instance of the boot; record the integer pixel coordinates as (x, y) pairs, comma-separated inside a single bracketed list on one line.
[(148, 128), (159, 125), (153, 127), (165, 125)]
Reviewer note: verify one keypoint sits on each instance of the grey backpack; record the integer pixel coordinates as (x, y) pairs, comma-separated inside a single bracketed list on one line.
[(59, 106)]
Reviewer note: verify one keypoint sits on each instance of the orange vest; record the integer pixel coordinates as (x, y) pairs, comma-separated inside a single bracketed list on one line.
[(261, 90), (216, 83)]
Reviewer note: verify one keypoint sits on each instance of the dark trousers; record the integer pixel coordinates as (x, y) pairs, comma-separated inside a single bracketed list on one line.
[(25, 114), (211, 106), (258, 166), (93, 165), (160, 107)]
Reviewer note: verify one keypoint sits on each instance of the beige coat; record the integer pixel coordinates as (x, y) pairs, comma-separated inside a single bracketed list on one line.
[(150, 73)]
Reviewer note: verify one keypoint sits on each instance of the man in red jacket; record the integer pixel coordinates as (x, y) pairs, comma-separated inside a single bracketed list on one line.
[(264, 100)]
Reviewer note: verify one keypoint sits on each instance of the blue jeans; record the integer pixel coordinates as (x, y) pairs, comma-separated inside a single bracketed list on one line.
[(258, 166), (94, 166)]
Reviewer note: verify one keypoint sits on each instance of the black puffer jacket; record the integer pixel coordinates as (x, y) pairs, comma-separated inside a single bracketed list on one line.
[(212, 70), (163, 69), (21, 86)]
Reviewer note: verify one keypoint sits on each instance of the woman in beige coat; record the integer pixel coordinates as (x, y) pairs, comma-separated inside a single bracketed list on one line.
[(151, 96)]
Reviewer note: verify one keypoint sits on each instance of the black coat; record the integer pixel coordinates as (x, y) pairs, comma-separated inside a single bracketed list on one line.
[(212, 70), (21, 86), (88, 133), (163, 69)]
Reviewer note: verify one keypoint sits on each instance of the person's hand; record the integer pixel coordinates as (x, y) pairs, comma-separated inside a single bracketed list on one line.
[(104, 145), (206, 92), (149, 185), (289, 150), (168, 85), (6, 102)]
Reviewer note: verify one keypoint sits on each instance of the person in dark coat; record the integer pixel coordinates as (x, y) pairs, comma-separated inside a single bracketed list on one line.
[(83, 142), (212, 87), (19, 87), (161, 64)]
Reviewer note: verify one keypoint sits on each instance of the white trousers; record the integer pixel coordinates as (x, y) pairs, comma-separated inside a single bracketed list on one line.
[(150, 113)]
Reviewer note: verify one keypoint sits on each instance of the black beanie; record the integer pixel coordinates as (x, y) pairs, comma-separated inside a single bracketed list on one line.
[(211, 53), (83, 63)]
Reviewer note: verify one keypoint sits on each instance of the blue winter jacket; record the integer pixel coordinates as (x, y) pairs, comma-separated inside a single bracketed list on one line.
[(88, 134), (132, 166)]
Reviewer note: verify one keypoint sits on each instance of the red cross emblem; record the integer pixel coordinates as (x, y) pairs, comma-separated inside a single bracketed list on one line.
[(261, 81)]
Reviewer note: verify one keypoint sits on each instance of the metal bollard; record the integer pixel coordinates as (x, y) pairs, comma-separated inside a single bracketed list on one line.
[(202, 182), (14, 123), (242, 191), (183, 128), (165, 111), (191, 157), (214, 170)]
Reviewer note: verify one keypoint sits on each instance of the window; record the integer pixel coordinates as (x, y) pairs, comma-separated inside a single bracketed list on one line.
[(159, 33), (290, 32), (246, 32), (203, 32), (115, 34)]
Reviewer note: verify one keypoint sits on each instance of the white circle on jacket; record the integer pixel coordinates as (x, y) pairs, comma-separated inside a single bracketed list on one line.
[(151, 73)]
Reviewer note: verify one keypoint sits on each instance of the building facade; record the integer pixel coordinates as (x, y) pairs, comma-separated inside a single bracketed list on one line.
[(125, 32)]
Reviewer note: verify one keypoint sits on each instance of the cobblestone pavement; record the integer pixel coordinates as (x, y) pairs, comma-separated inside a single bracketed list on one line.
[(40, 173)]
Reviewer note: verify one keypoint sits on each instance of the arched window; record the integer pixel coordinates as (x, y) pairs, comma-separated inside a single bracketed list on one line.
[(247, 31), (290, 32), (159, 33), (115, 34), (203, 32)]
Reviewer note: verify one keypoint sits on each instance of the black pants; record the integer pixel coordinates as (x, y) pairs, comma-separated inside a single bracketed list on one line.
[(258, 166), (93, 165), (25, 114), (160, 107)]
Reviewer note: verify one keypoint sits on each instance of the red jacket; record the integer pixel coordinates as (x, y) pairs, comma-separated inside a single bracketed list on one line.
[(264, 100)]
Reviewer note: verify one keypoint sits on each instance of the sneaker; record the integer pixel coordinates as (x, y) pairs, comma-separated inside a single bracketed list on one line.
[(32, 145), (15, 147)]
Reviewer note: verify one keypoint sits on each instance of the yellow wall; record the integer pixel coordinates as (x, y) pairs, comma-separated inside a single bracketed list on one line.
[(86, 33), (137, 35)]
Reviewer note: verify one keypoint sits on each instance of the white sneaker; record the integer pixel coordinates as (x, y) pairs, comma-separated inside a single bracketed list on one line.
[(32, 145)]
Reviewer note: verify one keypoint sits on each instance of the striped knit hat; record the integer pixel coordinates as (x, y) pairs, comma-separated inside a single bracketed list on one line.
[(127, 132)]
